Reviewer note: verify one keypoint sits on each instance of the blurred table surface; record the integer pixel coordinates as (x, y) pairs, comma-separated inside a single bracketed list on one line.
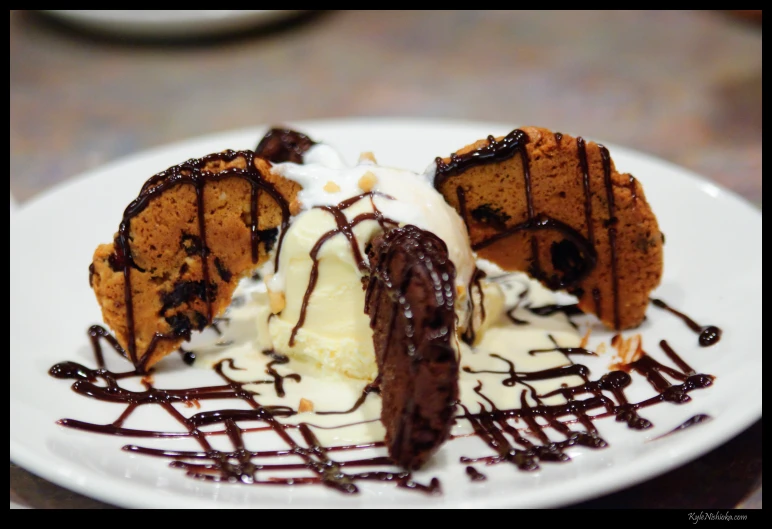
[(683, 86)]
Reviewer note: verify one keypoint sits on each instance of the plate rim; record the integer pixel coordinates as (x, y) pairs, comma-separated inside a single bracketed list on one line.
[(641, 468)]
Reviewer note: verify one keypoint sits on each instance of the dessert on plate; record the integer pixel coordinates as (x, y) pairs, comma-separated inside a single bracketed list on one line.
[(402, 284)]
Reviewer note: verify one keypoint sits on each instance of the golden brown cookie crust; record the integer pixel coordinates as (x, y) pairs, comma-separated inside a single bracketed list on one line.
[(575, 183), (169, 294)]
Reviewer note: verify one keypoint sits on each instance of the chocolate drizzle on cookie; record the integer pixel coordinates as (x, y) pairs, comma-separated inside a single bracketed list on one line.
[(194, 173), (585, 256), (574, 258), (495, 151), (582, 150), (611, 225)]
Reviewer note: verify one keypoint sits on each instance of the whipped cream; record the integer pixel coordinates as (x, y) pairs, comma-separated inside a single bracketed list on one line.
[(413, 200)]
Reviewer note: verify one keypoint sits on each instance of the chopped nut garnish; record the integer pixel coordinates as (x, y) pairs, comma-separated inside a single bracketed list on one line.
[(192, 404), (331, 187), (305, 406), (367, 156), (367, 182), (276, 301), (294, 207), (460, 290), (628, 351), (585, 338)]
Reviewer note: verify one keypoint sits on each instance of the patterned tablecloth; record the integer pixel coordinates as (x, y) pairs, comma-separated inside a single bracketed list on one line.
[(683, 86)]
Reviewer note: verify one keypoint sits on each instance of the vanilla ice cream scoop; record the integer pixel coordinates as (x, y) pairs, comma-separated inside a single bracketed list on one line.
[(328, 326), (319, 315)]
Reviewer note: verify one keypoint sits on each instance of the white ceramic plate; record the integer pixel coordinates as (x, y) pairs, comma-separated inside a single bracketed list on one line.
[(712, 272), (169, 23)]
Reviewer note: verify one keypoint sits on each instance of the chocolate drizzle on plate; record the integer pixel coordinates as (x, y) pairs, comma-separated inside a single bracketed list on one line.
[(278, 359), (375, 387), (692, 421), (709, 334), (470, 333), (188, 357), (237, 465), (492, 424), (516, 435), (568, 351), (475, 475), (569, 310), (548, 310)]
